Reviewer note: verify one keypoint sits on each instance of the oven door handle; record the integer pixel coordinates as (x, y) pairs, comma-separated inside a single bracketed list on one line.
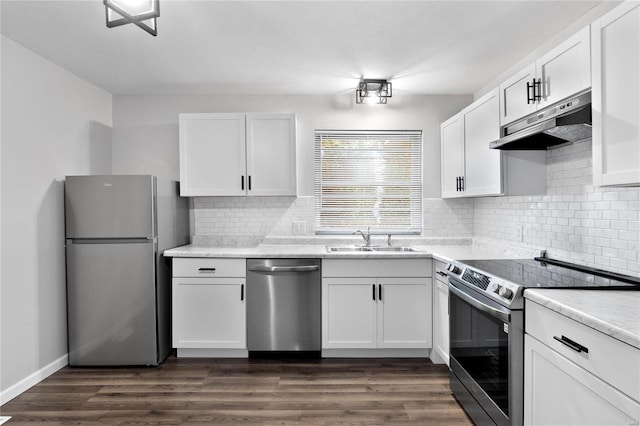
[(504, 316)]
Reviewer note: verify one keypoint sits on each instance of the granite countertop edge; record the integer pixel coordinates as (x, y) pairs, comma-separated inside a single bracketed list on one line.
[(613, 312)]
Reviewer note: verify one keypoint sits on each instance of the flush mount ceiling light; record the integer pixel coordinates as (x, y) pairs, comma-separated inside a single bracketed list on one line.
[(142, 13), (373, 91)]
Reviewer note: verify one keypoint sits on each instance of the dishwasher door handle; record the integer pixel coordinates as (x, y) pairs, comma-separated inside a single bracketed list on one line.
[(303, 268)]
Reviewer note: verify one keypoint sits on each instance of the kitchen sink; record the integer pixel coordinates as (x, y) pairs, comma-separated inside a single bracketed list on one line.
[(334, 249), (353, 249), (393, 248)]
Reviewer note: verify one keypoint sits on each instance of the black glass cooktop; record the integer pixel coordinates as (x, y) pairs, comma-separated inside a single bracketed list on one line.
[(532, 273)]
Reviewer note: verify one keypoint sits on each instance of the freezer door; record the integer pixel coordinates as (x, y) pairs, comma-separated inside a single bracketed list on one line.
[(110, 206), (111, 303)]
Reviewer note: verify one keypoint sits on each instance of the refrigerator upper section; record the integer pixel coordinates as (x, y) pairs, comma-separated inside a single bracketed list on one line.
[(110, 206)]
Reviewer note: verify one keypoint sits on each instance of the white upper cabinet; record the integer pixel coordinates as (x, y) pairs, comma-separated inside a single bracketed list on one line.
[(565, 70), (616, 96), (515, 96), (271, 154), (562, 72), (469, 168), (237, 154), (482, 165), (212, 154), (452, 156)]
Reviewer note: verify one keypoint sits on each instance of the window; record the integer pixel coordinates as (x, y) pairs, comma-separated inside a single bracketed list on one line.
[(368, 178)]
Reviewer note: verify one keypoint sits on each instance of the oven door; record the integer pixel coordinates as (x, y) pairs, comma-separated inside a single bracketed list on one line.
[(486, 356)]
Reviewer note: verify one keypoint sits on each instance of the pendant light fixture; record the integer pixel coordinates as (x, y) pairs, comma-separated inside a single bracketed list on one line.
[(142, 13), (373, 91)]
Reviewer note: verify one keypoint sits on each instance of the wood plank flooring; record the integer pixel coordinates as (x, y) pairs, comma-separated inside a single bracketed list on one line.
[(243, 391)]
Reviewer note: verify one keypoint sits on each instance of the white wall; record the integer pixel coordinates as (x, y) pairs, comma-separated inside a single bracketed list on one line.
[(145, 136), (53, 124)]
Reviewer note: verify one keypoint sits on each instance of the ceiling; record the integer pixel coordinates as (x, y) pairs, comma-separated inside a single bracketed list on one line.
[(291, 47)]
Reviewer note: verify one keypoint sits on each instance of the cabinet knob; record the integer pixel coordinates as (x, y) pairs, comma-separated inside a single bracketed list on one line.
[(453, 268)]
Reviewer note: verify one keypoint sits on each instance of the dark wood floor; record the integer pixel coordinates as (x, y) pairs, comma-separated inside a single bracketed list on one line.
[(219, 391)]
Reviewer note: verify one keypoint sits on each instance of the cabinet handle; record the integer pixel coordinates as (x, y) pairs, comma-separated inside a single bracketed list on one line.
[(249, 183), (571, 344), (461, 183), (534, 95), (373, 287), (457, 183), (442, 274), (242, 182), (207, 269), (242, 292), (538, 84), (380, 292)]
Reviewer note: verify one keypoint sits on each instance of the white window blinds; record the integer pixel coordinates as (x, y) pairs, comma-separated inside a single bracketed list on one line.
[(368, 178)]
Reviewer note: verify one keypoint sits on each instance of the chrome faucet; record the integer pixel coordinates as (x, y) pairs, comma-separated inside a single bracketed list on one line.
[(365, 236)]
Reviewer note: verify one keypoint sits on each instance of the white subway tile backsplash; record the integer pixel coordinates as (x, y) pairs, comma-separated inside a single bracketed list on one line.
[(581, 223)]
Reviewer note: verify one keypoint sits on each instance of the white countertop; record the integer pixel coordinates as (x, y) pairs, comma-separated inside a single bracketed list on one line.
[(615, 313), (442, 252)]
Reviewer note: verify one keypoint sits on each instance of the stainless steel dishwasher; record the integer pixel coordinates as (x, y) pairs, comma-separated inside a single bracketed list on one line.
[(283, 307)]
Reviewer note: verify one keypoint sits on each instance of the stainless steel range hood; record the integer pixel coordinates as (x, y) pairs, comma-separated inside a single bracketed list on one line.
[(561, 123)]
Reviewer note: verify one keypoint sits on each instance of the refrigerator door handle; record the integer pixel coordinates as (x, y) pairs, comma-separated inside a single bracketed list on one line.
[(143, 240)]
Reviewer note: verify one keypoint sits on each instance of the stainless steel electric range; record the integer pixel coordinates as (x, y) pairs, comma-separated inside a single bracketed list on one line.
[(486, 326)]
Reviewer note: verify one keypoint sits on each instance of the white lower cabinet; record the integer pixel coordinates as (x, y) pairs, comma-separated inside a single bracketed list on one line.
[(564, 386), (362, 309), (440, 314), (209, 309)]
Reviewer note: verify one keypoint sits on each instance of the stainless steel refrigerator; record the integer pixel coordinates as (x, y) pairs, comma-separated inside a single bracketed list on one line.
[(118, 283)]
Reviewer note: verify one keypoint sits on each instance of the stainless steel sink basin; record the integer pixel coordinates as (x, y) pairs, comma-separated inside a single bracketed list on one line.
[(334, 249), (393, 248), (354, 249)]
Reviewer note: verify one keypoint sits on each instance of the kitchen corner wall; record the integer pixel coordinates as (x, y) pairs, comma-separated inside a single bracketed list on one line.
[(574, 221), (53, 124)]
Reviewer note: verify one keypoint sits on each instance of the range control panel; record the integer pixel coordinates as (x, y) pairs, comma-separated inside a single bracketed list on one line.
[(497, 288)]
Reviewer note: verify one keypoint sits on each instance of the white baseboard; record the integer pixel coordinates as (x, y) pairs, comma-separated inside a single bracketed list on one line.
[(375, 353), (33, 379), (211, 353)]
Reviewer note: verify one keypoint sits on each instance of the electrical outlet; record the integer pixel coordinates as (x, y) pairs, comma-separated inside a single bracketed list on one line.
[(299, 227), (519, 232)]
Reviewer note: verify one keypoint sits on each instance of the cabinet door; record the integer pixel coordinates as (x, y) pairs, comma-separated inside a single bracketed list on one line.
[(212, 154), (452, 156), (559, 392), (348, 313), (515, 97), (404, 313), (483, 165), (441, 320), (209, 313), (616, 96), (271, 154), (566, 69)]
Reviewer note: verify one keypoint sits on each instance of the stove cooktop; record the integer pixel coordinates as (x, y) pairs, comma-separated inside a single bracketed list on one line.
[(504, 280), (531, 273)]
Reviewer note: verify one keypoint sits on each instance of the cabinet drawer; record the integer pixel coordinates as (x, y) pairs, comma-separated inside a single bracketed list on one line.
[(209, 267), (440, 268), (613, 361), (377, 268)]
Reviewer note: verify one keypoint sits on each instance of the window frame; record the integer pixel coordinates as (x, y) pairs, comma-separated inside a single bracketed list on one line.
[(413, 184)]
